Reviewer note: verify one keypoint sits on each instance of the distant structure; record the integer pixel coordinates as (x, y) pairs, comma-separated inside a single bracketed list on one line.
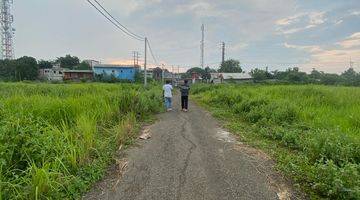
[(230, 77), (92, 63), (110, 72), (7, 32), (202, 46)]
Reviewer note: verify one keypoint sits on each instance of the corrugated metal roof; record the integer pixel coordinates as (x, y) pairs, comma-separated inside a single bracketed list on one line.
[(78, 71), (113, 66), (236, 76)]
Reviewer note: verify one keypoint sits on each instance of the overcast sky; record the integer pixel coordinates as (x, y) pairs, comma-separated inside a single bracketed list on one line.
[(279, 34)]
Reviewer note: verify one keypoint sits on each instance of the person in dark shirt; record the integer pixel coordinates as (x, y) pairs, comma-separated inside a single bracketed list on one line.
[(184, 89)]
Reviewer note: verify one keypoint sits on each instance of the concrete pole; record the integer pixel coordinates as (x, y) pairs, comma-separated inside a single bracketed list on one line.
[(145, 57)]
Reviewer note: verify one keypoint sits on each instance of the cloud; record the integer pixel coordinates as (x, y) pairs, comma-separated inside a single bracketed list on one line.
[(238, 46), (352, 41), (332, 59), (311, 49), (290, 20), (338, 22), (317, 18), (355, 13), (199, 9), (300, 22)]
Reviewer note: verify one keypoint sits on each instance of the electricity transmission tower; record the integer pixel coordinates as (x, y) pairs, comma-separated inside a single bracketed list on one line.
[(351, 63), (7, 32), (202, 46)]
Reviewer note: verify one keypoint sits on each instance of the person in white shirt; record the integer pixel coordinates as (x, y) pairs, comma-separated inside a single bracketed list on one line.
[(167, 90)]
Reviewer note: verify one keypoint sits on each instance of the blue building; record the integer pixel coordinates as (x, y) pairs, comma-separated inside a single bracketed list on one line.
[(120, 72)]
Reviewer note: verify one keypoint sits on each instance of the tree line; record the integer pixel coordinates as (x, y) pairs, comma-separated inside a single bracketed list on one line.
[(293, 75), (228, 66), (27, 68)]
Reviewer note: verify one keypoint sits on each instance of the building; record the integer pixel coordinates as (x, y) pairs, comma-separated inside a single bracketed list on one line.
[(119, 72), (52, 74), (77, 75), (196, 77), (230, 77), (157, 74), (150, 73)]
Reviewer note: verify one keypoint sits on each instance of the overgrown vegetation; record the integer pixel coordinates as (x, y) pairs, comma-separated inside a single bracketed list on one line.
[(312, 131), (56, 140), (294, 76)]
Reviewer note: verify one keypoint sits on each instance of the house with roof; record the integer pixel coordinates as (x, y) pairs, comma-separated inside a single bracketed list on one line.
[(56, 73), (230, 77), (77, 75), (119, 72)]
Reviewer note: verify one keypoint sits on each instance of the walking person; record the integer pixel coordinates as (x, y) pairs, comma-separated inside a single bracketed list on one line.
[(167, 91), (184, 89)]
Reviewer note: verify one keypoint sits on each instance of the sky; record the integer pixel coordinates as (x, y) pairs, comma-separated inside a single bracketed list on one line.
[(278, 34)]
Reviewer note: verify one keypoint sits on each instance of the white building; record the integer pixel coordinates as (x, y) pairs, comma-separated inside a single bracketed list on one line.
[(53, 74), (229, 77)]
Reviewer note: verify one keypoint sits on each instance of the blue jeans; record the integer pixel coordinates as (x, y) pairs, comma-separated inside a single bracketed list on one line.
[(168, 102)]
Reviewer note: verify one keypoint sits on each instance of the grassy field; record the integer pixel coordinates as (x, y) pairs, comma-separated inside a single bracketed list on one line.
[(312, 131), (56, 140)]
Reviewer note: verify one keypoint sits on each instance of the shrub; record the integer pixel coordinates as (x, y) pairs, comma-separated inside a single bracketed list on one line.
[(320, 125), (56, 140)]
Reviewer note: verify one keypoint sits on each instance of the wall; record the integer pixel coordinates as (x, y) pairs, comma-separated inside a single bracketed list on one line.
[(122, 73)]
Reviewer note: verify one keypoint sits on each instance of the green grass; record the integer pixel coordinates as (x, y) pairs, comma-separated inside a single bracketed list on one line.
[(312, 131), (56, 140)]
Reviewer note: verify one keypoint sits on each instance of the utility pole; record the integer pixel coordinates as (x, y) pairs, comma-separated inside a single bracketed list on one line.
[(163, 73), (137, 58), (223, 52), (172, 74), (134, 56), (7, 32), (145, 73), (202, 45)]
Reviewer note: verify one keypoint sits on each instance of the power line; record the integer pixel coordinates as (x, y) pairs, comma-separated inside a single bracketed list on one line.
[(130, 32), (119, 27), (152, 53)]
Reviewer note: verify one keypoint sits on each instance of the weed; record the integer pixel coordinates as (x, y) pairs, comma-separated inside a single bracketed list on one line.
[(317, 125), (56, 140)]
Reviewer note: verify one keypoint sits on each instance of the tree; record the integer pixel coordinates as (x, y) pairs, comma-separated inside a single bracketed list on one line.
[(196, 70), (351, 77), (44, 64), (230, 66), (26, 68), (83, 66), (68, 61), (316, 75), (330, 79), (292, 75), (7, 70), (260, 75), (207, 73)]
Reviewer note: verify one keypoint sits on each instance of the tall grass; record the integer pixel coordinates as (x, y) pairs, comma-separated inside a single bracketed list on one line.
[(317, 126), (55, 140)]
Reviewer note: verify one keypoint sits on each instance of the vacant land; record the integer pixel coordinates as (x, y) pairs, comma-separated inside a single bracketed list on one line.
[(312, 131), (55, 140)]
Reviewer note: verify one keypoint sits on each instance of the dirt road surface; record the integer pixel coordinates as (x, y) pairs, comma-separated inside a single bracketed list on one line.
[(189, 157)]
